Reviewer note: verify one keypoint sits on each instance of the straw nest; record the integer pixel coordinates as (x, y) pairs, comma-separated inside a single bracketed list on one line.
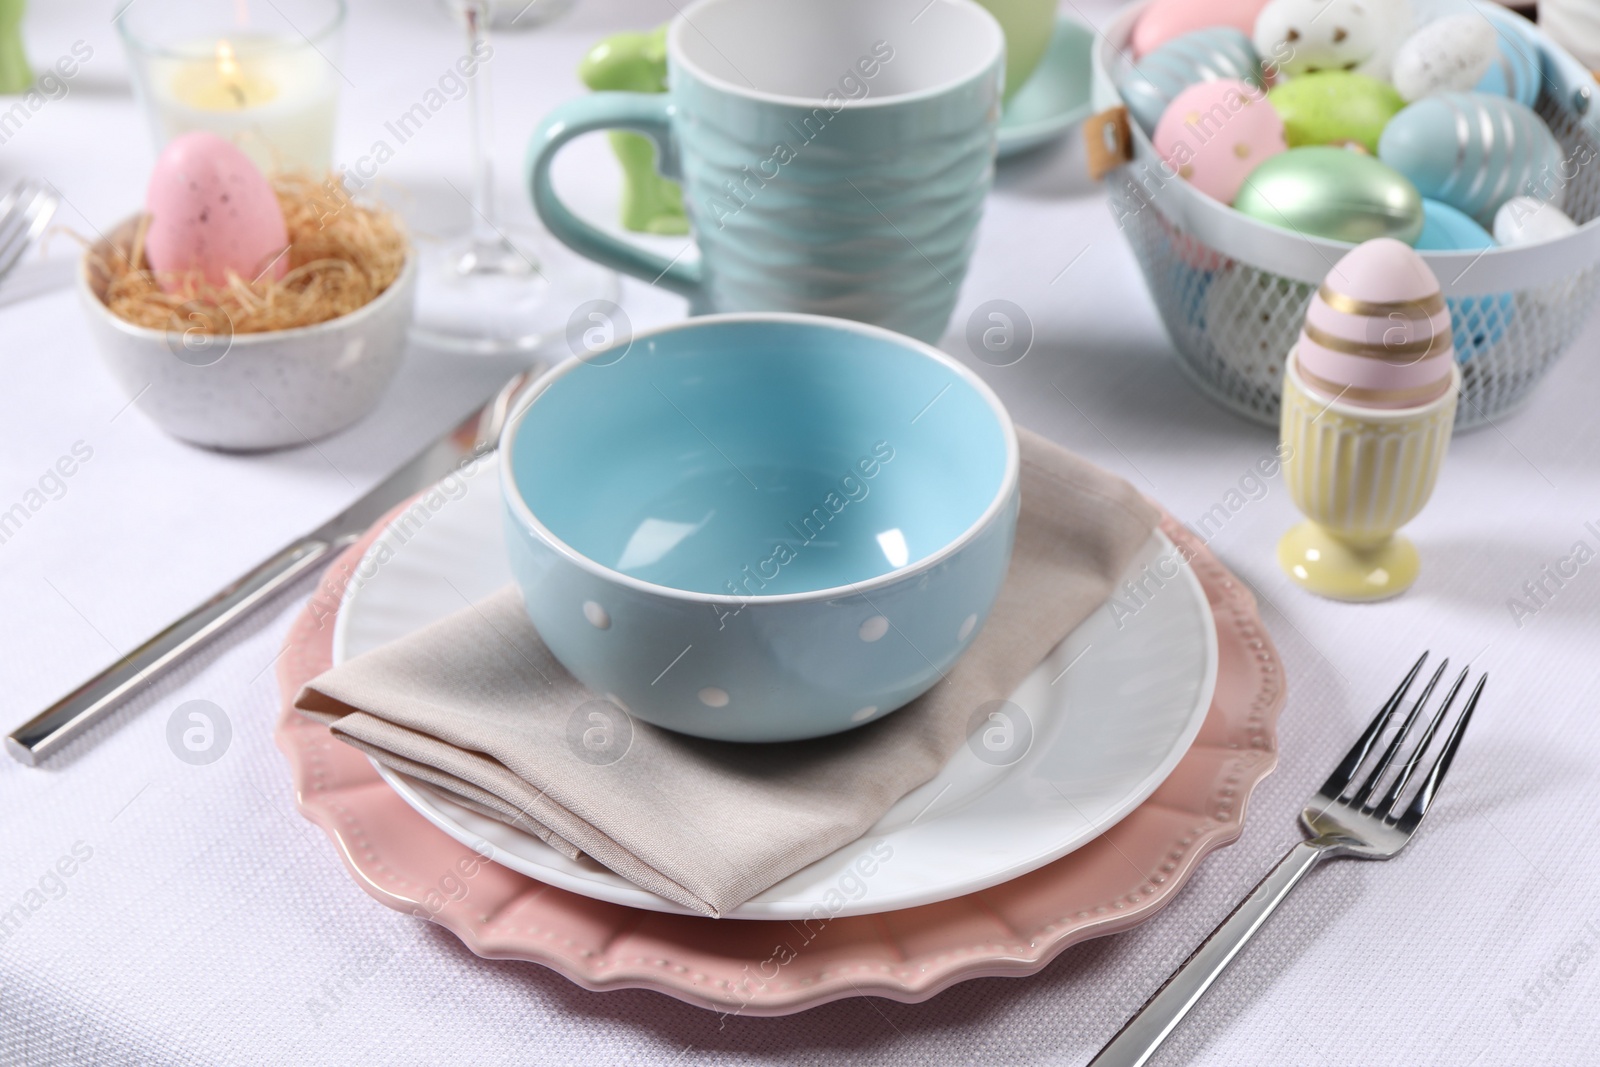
[(342, 255)]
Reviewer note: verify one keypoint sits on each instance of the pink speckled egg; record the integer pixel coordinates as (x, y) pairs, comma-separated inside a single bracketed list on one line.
[(1377, 333), (211, 211), (1165, 19), (1215, 133)]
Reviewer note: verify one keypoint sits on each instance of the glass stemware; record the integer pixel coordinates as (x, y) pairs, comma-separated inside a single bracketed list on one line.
[(498, 287)]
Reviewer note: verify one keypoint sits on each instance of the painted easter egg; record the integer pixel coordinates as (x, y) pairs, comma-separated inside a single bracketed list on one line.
[(1166, 20), (1479, 322), (1335, 107), (1444, 229), (1473, 151), (1215, 133), (1306, 36), (1217, 53), (1518, 67), (1527, 220), (1448, 55), (211, 211), (1333, 193), (1377, 333)]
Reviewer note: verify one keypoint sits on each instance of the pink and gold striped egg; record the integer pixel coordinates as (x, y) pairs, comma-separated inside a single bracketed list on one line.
[(1377, 332)]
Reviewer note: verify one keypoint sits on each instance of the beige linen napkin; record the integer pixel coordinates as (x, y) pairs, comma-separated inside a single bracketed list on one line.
[(476, 705)]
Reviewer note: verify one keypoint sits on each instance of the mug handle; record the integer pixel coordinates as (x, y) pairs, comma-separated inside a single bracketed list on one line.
[(649, 114)]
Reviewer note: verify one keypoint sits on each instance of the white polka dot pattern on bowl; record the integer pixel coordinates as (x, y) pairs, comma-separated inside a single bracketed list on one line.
[(967, 627), (712, 697), (873, 628), (865, 713), (597, 615)]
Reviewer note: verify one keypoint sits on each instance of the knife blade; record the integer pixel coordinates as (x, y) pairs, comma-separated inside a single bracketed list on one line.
[(50, 730)]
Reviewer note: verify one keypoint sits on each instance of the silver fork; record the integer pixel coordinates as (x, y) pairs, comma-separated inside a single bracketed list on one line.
[(25, 211), (1366, 824)]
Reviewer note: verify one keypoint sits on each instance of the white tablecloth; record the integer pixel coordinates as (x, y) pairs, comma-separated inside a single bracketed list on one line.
[(205, 922)]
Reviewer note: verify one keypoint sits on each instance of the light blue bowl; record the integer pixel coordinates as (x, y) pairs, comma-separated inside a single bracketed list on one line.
[(760, 527)]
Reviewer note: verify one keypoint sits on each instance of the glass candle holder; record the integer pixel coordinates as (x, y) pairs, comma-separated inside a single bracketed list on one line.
[(262, 73)]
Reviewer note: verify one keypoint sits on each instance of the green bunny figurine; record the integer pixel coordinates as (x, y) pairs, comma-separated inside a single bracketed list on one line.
[(637, 62), (15, 74)]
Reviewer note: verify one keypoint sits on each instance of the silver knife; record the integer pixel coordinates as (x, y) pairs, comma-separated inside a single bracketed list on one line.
[(50, 730)]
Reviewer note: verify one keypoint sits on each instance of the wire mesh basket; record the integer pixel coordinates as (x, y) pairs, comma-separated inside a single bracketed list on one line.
[(1233, 292)]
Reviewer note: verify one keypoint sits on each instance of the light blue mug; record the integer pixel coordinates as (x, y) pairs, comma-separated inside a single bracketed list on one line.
[(834, 156)]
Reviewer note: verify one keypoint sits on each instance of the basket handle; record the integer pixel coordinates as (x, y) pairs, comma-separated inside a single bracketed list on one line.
[(1109, 141)]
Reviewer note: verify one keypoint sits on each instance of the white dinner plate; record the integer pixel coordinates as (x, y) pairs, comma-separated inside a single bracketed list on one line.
[(1111, 711)]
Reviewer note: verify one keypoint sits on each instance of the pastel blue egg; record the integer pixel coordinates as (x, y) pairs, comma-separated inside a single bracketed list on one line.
[(1518, 69), (1477, 322), (1444, 229), (1214, 54), (1473, 151)]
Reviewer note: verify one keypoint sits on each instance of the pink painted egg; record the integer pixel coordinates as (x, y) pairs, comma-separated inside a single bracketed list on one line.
[(1165, 19), (211, 211), (1215, 133), (1377, 333)]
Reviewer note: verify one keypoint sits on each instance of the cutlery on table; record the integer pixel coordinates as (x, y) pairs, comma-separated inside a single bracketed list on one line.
[(1374, 821), (25, 211), (52, 728)]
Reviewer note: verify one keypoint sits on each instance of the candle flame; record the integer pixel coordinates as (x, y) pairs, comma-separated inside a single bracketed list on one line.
[(228, 73), (227, 62)]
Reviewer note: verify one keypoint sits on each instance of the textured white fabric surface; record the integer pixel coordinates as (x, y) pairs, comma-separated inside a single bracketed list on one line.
[(211, 925)]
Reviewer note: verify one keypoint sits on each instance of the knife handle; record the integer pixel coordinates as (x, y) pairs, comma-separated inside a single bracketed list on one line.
[(68, 717)]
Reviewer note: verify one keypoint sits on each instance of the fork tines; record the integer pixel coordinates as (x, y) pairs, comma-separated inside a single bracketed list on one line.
[(1389, 805), (25, 211)]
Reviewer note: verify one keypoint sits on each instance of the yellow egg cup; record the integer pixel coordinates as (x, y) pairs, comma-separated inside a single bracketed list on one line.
[(1358, 474)]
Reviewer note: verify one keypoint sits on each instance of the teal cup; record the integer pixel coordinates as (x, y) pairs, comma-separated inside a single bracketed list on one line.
[(834, 156)]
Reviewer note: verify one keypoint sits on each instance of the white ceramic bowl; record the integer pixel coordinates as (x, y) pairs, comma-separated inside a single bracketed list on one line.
[(255, 391)]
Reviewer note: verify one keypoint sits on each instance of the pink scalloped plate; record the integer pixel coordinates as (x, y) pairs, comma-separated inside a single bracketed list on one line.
[(766, 968)]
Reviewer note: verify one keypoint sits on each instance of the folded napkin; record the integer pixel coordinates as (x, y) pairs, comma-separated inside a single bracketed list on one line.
[(476, 706)]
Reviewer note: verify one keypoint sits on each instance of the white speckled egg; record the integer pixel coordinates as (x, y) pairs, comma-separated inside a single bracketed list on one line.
[(1451, 54)]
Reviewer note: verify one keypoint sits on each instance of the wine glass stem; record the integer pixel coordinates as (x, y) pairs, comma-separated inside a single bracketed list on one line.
[(486, 239)]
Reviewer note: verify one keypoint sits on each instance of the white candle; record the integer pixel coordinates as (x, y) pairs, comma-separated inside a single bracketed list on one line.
[(275, 98)]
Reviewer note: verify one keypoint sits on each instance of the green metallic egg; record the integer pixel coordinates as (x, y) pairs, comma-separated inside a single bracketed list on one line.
[(1337, 193), (1335, 107)]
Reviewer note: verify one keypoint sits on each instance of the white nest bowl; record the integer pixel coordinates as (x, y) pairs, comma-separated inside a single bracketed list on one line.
[(254, 391)]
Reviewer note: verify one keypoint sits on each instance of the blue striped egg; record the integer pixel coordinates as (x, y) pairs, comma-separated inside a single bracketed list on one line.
[(1215, 54), (1518, 68), (1473, 151)]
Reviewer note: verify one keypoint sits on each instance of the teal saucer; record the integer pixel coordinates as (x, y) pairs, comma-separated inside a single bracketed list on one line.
[(1056, 97)]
